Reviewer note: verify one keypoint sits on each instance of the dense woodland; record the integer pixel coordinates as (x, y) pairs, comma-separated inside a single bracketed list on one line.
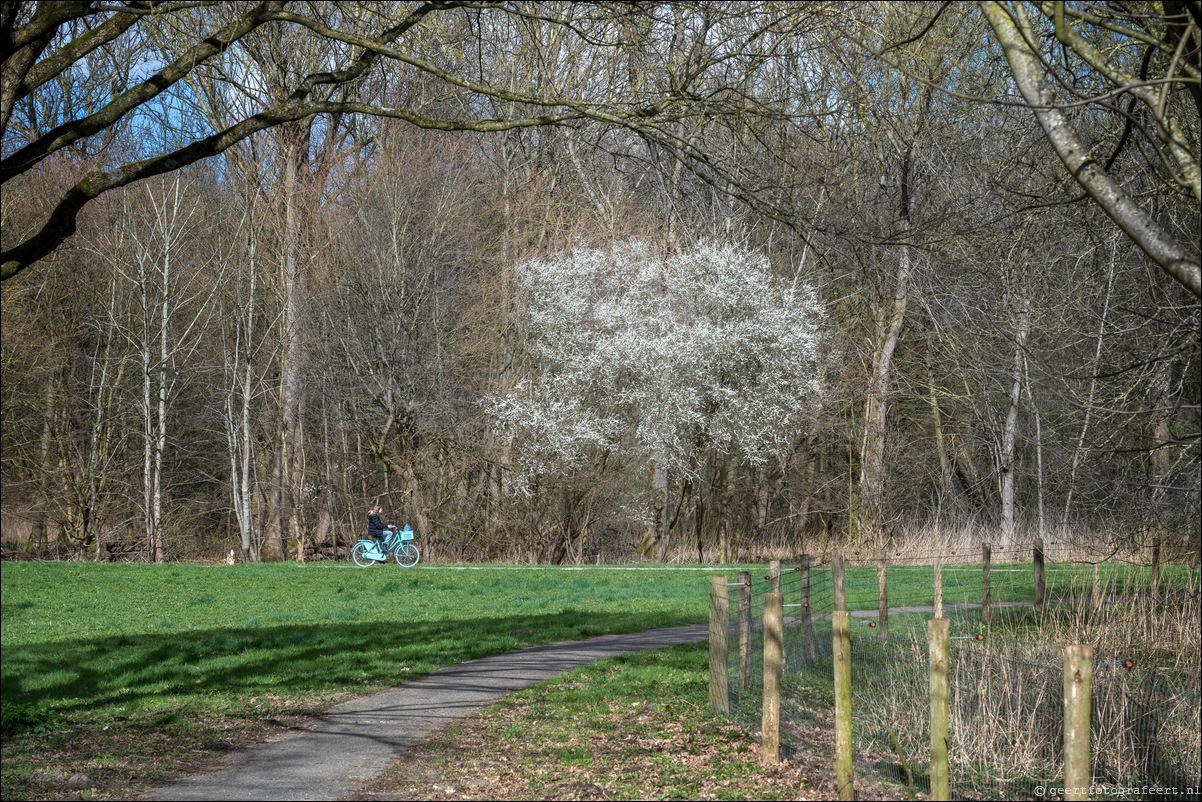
[(564, 282)]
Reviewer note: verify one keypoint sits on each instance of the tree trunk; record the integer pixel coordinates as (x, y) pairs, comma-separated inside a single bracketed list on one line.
[(37, 535), (147, 427), (273, 540), (945, 468), (290, 351), (655, 537), (99, 421), (722, 516), (239, 441), (872, 462), (1039, 489), (1010, 431), (160, 440)]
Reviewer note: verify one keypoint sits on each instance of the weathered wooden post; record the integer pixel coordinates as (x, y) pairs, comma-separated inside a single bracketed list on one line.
[(744, 630), (1040, 587), (1078, 685), (882, 593), (840, 586), (774, 626), (807, 624), (841, 649), (719, 622), (938, 633), (775, 587), (939, 585), (986, 559)]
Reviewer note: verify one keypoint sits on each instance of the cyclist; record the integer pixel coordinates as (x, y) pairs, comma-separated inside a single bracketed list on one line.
[(376, 529)]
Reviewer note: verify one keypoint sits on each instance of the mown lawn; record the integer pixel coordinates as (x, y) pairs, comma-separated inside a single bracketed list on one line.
[(118, 676)]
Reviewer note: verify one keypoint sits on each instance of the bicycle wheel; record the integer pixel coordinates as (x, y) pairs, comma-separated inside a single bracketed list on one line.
[(406, 555), (359, 555)]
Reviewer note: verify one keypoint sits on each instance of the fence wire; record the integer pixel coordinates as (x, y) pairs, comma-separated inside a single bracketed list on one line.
[(1005, 675)]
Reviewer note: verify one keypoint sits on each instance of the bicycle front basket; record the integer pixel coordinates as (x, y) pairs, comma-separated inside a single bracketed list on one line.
[(406, 533)]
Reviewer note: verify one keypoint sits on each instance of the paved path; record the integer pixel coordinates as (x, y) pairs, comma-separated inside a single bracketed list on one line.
[(356, 740)]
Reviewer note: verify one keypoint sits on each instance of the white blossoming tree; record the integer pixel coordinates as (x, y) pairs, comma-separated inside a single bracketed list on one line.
[(664, 359)]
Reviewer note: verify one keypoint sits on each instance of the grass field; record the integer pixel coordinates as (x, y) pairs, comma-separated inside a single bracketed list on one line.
[(131, 673), (120, 676)]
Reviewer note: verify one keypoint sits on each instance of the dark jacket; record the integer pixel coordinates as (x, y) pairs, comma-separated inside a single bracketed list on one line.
[(375, 527)]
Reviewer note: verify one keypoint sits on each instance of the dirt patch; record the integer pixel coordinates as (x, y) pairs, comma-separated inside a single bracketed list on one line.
[(638, 753)]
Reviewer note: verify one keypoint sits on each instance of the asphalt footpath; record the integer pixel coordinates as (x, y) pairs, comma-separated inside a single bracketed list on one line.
[(339, 753)]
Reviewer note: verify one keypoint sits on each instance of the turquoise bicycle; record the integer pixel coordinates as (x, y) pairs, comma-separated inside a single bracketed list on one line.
[(367, 553)]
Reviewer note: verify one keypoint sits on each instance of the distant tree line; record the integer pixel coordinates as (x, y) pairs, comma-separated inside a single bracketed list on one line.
[(560, 282)]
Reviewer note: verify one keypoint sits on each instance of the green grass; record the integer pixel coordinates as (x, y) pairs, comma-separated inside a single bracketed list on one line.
[(913, 584), (134, 674), (132, 670)]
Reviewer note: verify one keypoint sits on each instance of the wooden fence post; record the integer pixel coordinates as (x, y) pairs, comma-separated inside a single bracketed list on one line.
[(938, 630), (807, 624), (774, 625), (744, 630), (841, 649), (986, 559), (719, 622), (939, 585), (837, 580), (775, 587), (1040, 587), (882, 592), (1078, 685)]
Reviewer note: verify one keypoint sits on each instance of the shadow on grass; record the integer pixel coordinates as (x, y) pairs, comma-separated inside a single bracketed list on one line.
[(288, 659)]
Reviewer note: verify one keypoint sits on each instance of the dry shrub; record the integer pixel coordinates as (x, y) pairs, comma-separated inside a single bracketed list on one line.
[(1006, 692)]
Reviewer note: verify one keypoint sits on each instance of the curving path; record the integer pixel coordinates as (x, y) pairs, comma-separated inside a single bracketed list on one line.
[(354, 741)]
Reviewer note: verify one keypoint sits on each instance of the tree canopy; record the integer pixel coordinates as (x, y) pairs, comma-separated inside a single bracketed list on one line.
[(721, 276)]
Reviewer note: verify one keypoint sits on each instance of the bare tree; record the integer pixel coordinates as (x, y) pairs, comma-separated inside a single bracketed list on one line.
[(150, 253), (45, 41), (1171, 48), (241, 360), (383, 331)]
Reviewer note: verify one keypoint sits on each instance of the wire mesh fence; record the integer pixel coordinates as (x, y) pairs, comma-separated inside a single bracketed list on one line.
[(1005, 670)]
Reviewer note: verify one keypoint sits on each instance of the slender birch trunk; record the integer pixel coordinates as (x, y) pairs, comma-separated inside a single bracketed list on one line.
[(160, 440), (102, 392), (245, 491), (147, 421), (239, 442), (1010, 432)]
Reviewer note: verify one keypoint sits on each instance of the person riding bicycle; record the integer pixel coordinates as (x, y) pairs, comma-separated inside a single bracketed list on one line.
[(377, 530)]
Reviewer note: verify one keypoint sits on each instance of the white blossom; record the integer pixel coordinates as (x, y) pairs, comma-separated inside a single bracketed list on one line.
[(669, 356)]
